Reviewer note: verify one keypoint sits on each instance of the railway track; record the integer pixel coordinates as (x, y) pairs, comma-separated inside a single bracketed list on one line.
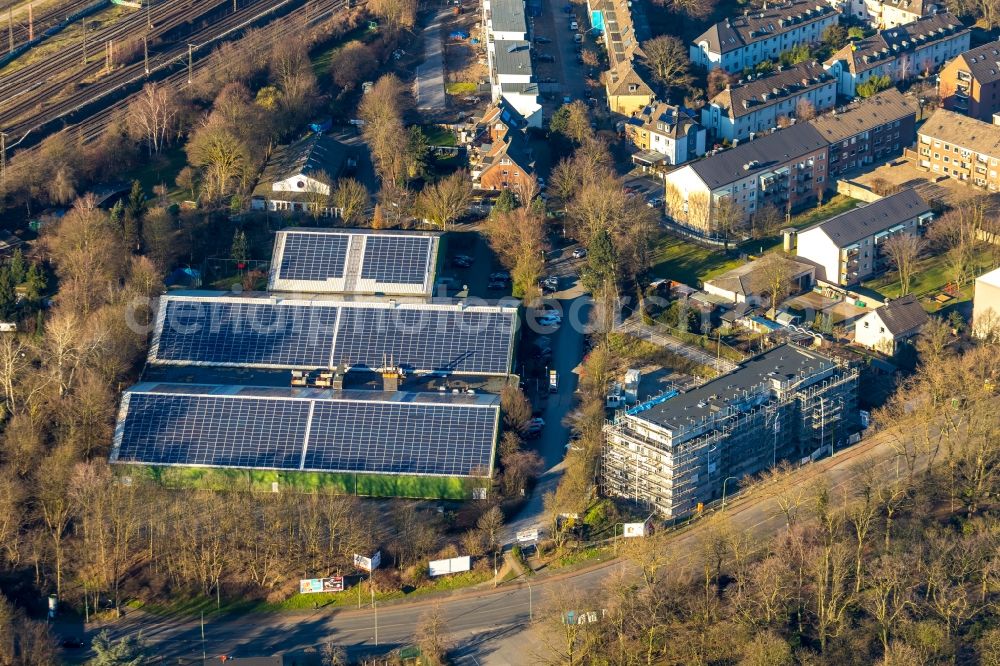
[(131, 78), (15, 32), (28, 88)]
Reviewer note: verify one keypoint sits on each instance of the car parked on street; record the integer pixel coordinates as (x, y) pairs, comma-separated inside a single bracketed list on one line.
[(574, 26), (580, 253), (462, 261)]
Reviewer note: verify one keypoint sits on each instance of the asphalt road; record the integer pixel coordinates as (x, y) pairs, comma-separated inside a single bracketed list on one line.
[(429, 83), (489, 626)]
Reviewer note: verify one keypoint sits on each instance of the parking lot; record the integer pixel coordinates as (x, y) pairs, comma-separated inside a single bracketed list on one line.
[(554, 39)]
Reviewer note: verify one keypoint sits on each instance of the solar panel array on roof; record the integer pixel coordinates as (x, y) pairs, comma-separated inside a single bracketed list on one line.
[(313, 256), (219, 332), (246, 332), (330, 433), (354, 262), (400, 260), (420, 339)]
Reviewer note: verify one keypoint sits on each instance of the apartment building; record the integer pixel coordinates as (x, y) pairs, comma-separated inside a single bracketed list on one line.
[(744, 41), (970, 83), (892, 13), (986, 306), (675, 452), (848, 248), (508, 56), (901, 53), (665, 134), (755, 105), (869, 131), (626, 81), (960, 147), (500, 156), (786, 168)]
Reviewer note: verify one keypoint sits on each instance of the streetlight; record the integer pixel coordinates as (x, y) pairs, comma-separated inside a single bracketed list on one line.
[(375, 609), (531, 615), (727, 479)]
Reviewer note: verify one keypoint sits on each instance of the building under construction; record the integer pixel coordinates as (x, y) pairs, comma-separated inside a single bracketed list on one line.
[(677, 450)]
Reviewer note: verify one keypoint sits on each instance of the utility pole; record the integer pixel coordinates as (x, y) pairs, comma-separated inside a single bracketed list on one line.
[(31, 24), (3, 161), (84, 22), (149, 21), (204, 654), (190, 62), (10, 29), (145, 53)]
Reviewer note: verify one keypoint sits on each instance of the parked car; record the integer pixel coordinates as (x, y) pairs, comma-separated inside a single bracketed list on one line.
[(550, 284), (567, 99), (551, 319), (503, 276), (654, 202), (497, 285), (574, 26), (568, 9), (545, 57), (580, 253), (462, 261), (578, 38), (542, 40)]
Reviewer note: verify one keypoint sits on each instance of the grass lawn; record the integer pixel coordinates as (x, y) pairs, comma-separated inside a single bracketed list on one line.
[(194, 605), (678, 259), (931, 275), (460, 88), (438, 135), (162, 169)]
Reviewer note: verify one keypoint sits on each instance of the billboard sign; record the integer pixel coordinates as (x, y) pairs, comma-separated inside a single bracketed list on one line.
[(368, 563), (527, 536), (450, 566), (315, 585)]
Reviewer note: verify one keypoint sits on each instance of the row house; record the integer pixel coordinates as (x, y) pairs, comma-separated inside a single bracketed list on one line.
[(786, 169), (508, 56), (848, 248), (900, 53), (626, 81), (869, 131), (741, 43), (665, 135), (500, 156), (756, 105), (960, 147), (970, 83), (887, 14)]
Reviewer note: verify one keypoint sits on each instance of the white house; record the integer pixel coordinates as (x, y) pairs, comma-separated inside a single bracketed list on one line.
[(884, 328), (847, 248), (755, 105), (749, 283), (299, 176), (508, 56), (744, 41), (901, 53), (665, 134), (986, 305)]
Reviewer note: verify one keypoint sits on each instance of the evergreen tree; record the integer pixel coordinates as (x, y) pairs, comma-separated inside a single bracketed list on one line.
[(35, 283), (127, 651), (8, 294), (134, 210), (240, 251), (602, 260), (18, 266), (504, 203)]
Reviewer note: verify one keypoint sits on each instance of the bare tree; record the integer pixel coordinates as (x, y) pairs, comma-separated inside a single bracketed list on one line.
[(805, 110), (446, 200), (668, 58), (431, 636), (398, 14), (351, 199), (352, 64), (776, 272), (903, 249), (152, 116)]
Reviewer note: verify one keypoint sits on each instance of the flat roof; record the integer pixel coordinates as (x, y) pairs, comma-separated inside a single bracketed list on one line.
[(508, 16), (992, 278), (738, 387), (513, 57)]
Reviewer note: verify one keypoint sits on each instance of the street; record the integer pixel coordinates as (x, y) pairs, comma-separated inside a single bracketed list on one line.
[(487, 626)]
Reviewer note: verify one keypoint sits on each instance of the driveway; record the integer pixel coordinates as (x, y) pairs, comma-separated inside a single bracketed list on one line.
[(429, 83)]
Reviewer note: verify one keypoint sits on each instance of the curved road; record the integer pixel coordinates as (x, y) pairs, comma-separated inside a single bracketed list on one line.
[(489, 626)]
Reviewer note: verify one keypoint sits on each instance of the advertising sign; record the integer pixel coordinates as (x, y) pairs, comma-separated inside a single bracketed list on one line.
[(314, 585), (368, 563), (453, 565), (527, 536)]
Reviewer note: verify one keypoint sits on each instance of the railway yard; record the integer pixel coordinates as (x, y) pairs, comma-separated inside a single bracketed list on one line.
[(84, 83)]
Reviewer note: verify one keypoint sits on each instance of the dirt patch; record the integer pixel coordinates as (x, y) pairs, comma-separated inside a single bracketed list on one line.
[(904, 173), (464, 61)]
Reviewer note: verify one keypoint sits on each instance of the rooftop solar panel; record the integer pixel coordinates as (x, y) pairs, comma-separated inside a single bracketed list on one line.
[(208, 430), (430, 340), (218, 332), (398, 436), (401, 438), (396, 259), (310, 256)]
